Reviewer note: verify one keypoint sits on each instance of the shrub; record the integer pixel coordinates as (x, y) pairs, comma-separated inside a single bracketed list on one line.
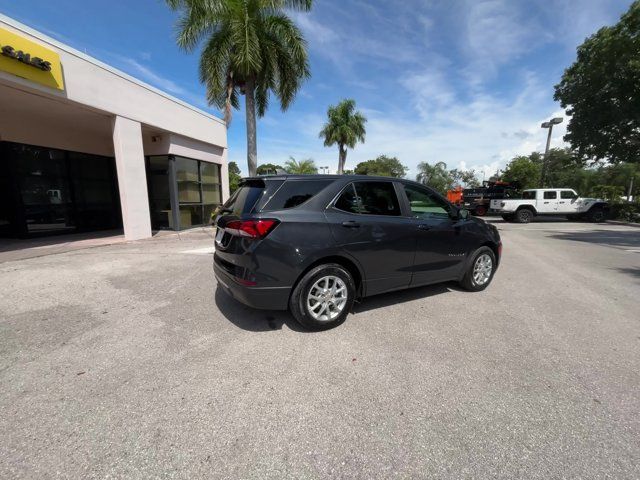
[(627, 211)]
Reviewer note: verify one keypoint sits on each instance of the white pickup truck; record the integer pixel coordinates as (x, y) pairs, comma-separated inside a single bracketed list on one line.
[(550, 201)]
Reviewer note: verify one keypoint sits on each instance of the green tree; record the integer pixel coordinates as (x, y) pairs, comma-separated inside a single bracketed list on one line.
[(234, 177), (344, 127), (436, 176), (302, 167), (269, 169), (383, 166), (465, 178), (251, 47), (601, 92), (525, 170)]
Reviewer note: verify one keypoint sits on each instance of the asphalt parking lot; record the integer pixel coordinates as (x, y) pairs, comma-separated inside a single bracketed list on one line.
[(125, 361)]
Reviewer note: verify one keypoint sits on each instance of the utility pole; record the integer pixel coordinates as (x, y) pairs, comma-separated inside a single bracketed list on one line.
[(549, 125)]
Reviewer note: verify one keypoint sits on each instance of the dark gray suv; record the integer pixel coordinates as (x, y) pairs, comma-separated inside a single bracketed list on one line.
[(315, 243)]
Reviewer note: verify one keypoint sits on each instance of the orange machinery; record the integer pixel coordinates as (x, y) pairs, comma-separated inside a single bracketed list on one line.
[(455, 195)]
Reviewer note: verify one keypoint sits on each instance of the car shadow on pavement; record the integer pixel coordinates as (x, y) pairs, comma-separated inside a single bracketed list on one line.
[(624, 238), (252, 319), (401, 296)]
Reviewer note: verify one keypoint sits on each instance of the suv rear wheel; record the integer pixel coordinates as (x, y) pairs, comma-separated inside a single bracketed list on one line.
[(323, 297), (524, 215)]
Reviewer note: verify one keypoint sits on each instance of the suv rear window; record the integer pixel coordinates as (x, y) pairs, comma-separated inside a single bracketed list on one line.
[(249, 193), (294, 193)]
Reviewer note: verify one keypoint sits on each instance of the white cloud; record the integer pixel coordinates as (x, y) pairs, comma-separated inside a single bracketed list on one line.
[(497, 32)]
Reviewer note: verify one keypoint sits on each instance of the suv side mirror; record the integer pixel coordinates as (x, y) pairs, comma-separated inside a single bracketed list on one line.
[(459, 213)]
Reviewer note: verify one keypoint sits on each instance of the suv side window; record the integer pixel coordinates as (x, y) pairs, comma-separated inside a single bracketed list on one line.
[(369, 198), (550, 195), (567, 194), (425, 204)]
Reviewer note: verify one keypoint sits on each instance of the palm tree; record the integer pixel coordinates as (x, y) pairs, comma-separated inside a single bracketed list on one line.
[(345, 127), (436, 176), (251, 47), (303, 167)]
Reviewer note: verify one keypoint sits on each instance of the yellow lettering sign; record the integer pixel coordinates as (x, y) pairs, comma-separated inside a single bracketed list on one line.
[(24, 58)]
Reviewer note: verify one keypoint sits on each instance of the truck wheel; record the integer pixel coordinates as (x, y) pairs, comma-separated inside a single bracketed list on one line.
[(480, 271), (480, 211), (596, 214), (524, 215), (323, 297)]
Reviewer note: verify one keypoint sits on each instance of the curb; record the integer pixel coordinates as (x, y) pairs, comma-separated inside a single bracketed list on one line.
[(620, 222)]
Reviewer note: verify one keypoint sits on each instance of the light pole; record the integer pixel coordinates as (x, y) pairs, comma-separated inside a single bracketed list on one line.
[(549, 125)]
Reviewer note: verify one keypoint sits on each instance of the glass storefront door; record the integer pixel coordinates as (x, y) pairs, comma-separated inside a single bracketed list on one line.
[(48, 191)]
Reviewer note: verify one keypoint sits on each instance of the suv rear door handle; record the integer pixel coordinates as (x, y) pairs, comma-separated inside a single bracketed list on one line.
[(351, 224), (424, 226)]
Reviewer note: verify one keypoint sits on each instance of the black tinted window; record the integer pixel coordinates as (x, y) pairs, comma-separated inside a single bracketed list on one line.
[(550, 195), (348, 201), (425, 204), (567, 194), (294, 193), (243, 199), (529, 195), (372, 198)]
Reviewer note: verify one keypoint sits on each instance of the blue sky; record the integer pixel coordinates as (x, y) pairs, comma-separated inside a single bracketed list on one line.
[(467, 82)]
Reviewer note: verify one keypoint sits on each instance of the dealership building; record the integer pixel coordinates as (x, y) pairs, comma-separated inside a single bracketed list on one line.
[(85, 147)]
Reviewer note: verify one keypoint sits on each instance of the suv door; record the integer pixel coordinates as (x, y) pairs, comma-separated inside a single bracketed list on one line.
[(442, 243), (568, 202), (367, 223), (549, 202)]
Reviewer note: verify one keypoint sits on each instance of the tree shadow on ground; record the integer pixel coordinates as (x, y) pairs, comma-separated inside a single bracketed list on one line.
[(623, 238), (634, 272)]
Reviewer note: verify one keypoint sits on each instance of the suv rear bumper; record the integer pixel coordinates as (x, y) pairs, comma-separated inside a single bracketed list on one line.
[(265, 298)]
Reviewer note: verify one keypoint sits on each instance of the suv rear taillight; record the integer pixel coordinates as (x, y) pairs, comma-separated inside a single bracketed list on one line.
[(251, 228)]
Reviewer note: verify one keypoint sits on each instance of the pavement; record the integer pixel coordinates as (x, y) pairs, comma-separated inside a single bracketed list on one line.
[(126, 361)]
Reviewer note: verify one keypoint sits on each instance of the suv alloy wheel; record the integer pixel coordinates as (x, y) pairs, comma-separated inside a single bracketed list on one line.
[(323, 297)]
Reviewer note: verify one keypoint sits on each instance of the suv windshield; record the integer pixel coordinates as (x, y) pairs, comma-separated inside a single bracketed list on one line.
[(529, 195)]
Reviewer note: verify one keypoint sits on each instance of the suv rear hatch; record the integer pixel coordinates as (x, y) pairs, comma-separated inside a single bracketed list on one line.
[(252, 213)]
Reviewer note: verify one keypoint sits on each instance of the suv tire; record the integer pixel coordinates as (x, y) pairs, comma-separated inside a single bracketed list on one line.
[(331, 288), (524, 215), (480, 270), (596, 214)]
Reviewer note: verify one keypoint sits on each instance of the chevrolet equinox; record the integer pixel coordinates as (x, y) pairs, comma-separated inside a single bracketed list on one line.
[(315, 243)]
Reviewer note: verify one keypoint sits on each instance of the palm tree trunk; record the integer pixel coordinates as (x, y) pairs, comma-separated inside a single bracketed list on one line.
[(252, 143), (342, 158)]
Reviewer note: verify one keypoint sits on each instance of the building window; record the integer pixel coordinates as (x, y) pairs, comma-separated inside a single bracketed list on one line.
[(193, 190)]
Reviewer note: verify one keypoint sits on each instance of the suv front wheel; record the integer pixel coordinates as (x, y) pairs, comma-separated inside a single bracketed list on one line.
[(323, 297), (480, 271)]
